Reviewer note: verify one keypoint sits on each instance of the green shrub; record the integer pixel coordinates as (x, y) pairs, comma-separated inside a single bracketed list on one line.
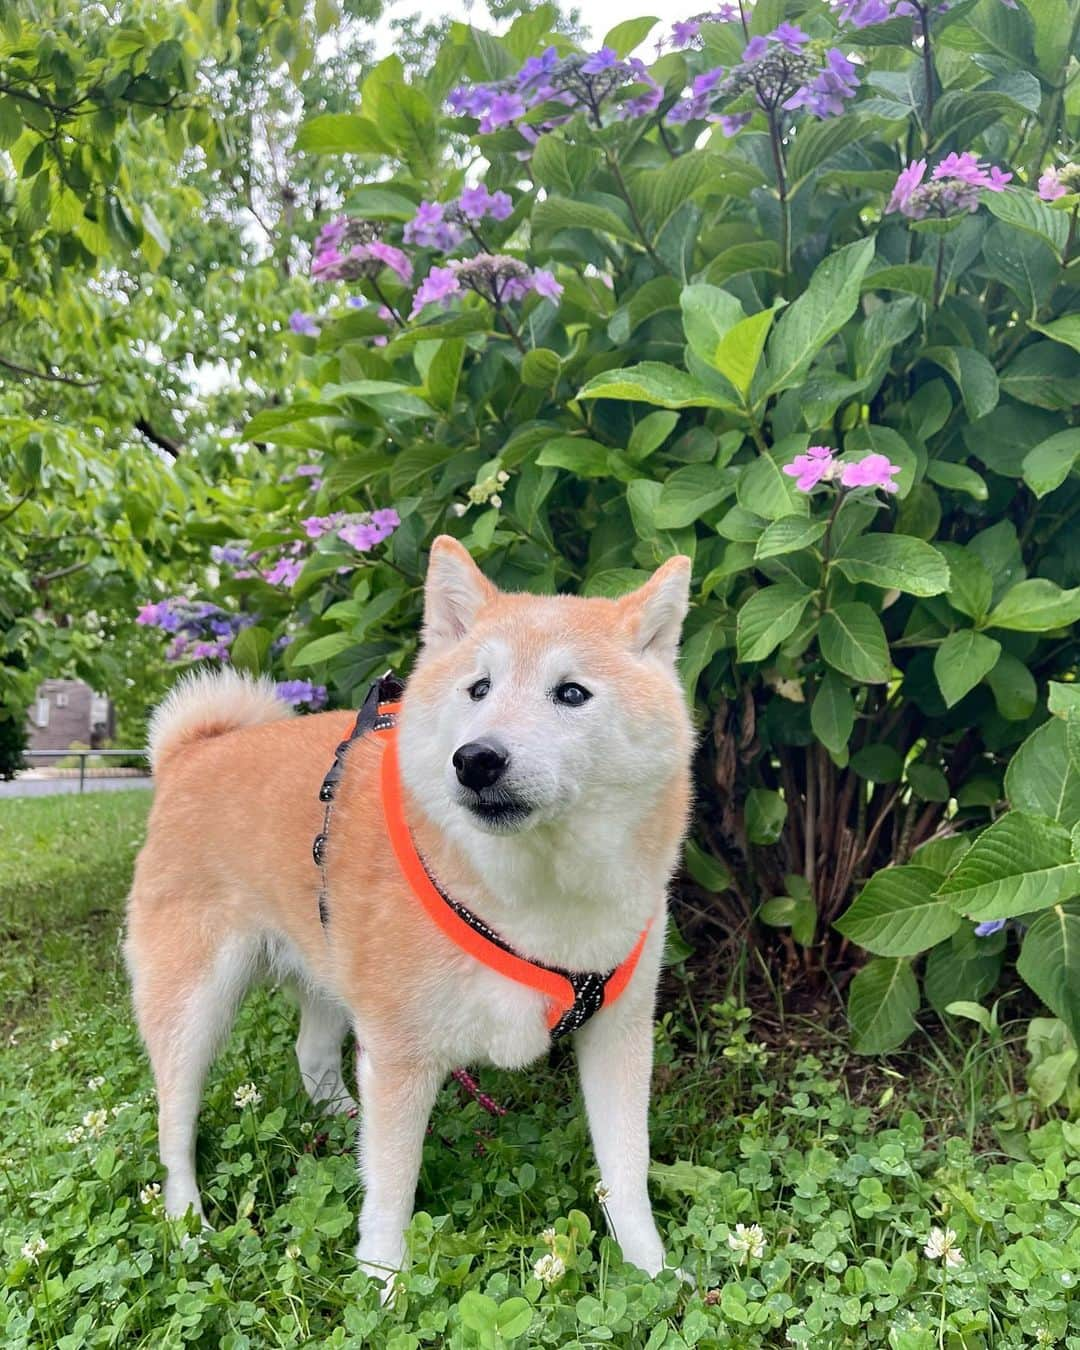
[(827, 346)]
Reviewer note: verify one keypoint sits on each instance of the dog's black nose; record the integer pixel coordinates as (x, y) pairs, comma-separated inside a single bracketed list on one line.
[(480, 764)]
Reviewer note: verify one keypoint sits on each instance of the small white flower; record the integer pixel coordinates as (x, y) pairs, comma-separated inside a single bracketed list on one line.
[(247, 1094), (549, 1269), (601, 1192), (292, 1251), (496, 501), (747, 1242), (548, 1236), (76, 1134), (114, 1111), (942, 1245), (96, 1082), (96, 1121), (36, 1247), (459, 508), (150, 1195), (502, 478), (58, 1042)]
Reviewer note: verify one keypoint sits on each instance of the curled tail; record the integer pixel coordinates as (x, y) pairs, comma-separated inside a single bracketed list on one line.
[(210, 703)]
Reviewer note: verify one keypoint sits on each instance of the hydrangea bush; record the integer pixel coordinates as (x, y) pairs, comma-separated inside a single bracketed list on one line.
[(788, 287)]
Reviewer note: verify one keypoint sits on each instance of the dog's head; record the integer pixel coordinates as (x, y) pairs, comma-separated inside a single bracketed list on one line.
[(524, 710)]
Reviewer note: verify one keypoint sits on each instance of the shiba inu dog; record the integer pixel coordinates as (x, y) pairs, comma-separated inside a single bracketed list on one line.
[(538, 764)]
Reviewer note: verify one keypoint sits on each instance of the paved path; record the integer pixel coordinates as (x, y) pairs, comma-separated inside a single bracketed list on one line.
[(48, 787)]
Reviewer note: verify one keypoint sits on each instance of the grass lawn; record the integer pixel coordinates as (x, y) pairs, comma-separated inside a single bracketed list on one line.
[(837, 1171)]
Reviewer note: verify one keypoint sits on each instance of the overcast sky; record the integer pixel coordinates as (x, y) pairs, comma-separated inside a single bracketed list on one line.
[(597, 15)]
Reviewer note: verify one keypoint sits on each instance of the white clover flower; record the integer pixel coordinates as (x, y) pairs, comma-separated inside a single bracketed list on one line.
[(96, 1121), (942, 1245), (747, 1242), (601, 1192), (36, 1247), (292, 1251), (247, 1094), (548, 1236), (549, 1269), (96, 1082), (76, 1134), (114, 1111), (58, 1042), (150, 1195)]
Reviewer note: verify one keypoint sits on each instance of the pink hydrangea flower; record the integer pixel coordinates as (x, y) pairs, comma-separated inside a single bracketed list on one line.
[(809, 469), (1051, 184), (438, 287), (545, 285), (873, 470), (284, 572), (316, 526)]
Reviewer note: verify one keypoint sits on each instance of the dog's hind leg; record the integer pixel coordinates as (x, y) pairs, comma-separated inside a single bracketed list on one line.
[(323, 1027), (186, 995)]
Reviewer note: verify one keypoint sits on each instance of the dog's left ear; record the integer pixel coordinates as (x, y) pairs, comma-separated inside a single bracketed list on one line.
[(454, 593), (657, 609)]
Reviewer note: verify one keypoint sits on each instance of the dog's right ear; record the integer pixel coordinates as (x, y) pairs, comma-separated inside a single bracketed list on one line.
[(454, 593)]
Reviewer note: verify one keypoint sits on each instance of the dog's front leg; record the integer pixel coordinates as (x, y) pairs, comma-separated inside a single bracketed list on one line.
[(614, 1053), (396, 1098)]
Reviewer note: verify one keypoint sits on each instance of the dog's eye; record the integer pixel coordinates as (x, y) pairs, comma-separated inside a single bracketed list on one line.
[(479, 690), (572, 695)]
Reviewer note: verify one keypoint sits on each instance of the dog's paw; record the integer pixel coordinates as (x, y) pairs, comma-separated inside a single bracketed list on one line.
[(385, 1271)]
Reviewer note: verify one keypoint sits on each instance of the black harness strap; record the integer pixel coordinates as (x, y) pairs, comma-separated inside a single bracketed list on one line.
[(588, 985)]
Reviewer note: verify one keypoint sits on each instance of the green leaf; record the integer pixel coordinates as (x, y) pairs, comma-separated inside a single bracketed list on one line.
[(540, 368), (765, 489), (1063, 699), (970, 584), (631, 33), (690, 492), (1019, 864), (1065, 330), (882, 1003), (766, 812), (928, 782), (341, 134), (819, 313), (1013, 686), (708, 314), (270, 419), (894, 561), (818, 142), (974, 375), (250, 649), (586, 458), (1043, 777), (1048, 465), (656, 383), (1036, 606), (708, 871), (957, 478), (1024, 209), (767, 618), (323, 648), (961, 662), (789, 534), (739, 351), (615, 581), (898, 913), (650, 433), (832, 714), (795, 912), (561, 213), (1050, 962), (910, 277), (852, 641), (878, 763)]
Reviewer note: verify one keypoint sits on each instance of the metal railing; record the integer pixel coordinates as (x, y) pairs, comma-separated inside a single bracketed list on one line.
[(82, 756)]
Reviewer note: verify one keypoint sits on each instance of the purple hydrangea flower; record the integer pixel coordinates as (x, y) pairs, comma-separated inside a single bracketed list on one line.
[(386, 520), (755, 49), (429, 229), (361, 536), (953, 188), (546, 286), (438, 287), (682, 34), (732, 124), (503, 109), (825, 94), (1055, 183), (872, 470), (298, 693), (605, 59), (284, 572), (989, 926), (316, 526), (303, 324), (790, 36)]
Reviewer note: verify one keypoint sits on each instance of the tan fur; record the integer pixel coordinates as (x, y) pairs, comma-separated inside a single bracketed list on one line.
[(227, 865)]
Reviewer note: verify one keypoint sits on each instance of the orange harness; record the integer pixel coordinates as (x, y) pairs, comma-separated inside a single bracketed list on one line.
[(574, 996)]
